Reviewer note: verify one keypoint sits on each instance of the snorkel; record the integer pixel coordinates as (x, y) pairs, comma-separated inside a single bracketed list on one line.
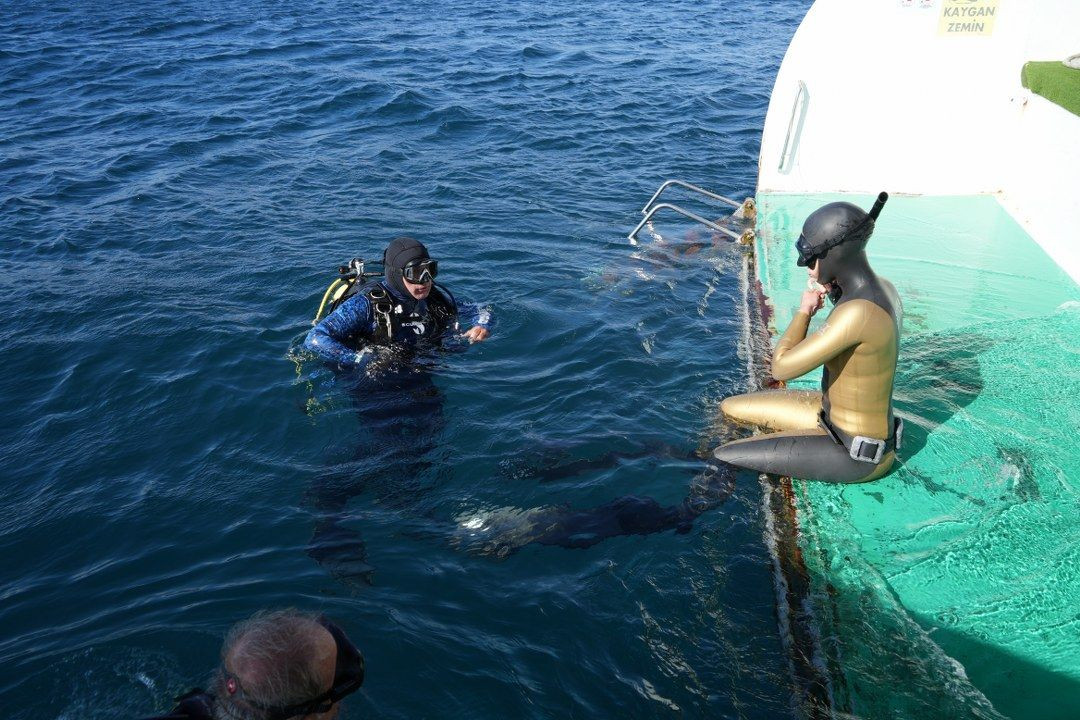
[(882, 198)]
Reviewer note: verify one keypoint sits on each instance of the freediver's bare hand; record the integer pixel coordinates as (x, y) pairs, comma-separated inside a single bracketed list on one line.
[(812, 301), (475, 334)]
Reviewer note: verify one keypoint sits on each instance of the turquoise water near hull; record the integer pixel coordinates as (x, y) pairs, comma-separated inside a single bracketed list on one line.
[(179, 182)]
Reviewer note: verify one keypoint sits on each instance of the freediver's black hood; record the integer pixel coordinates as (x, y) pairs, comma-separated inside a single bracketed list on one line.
[(834, 233), (399, 253)]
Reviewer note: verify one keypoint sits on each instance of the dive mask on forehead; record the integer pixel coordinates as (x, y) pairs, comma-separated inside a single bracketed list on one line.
[(348, 677), (421, 271)]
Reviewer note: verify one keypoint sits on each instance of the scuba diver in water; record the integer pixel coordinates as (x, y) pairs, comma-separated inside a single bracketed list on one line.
[(405, 307), (382, 334), (846, 432)]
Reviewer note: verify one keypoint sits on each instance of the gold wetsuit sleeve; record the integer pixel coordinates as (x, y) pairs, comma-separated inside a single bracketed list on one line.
[(797, 354)]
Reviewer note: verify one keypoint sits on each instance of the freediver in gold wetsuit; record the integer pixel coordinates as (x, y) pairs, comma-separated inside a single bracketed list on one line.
[(846, 432)]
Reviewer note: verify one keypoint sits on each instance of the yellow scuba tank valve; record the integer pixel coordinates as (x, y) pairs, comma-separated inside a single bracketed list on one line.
[(349, 276)]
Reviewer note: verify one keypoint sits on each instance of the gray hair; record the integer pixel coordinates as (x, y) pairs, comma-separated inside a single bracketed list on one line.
[(275, 653)]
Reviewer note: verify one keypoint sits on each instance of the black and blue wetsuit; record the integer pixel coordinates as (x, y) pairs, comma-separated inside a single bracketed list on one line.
[(401, 410), (345, 336)]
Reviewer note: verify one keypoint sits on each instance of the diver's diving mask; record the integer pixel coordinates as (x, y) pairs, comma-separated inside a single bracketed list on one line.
[(421, 271), (807, 253)]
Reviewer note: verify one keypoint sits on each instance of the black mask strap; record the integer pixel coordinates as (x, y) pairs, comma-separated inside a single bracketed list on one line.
[(348, 677)]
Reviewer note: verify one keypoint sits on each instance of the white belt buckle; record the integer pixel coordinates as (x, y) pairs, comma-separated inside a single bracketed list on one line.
[(857, 444)]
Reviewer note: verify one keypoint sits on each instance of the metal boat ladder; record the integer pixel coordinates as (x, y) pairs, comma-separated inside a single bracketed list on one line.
[(745, 211)]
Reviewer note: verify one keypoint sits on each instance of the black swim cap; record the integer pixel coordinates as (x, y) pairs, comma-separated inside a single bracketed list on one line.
[(399, 253)]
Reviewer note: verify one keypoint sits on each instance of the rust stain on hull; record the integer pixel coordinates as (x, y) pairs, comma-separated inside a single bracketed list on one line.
[(793, 593)]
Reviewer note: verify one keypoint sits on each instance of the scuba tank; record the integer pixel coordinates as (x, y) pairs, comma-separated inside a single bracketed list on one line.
[(350, 278)]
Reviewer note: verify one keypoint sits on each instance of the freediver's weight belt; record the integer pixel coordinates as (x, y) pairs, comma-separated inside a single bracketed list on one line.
[(860, 447)]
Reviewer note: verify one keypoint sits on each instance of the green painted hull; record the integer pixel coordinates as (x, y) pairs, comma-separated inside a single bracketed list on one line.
[(951, 587)]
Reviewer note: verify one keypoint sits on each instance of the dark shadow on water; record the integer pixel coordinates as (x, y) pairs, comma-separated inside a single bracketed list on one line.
[(1018, 688), (884, 661), (937, 376)]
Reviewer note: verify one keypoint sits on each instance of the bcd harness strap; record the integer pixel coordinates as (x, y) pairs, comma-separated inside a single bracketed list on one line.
[(860, 447), (381, 306), (386, 312)]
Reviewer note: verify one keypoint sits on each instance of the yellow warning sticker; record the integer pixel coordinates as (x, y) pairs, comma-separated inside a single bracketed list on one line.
[(967, 17)]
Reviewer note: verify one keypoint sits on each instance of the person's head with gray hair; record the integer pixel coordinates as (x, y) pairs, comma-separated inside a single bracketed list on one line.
[(278, 665), (274, 663)]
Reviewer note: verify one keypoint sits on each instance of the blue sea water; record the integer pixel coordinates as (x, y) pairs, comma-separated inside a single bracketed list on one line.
[(178, 182)]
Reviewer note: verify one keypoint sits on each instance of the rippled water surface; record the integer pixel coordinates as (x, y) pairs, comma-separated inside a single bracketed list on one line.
[(180, 180)]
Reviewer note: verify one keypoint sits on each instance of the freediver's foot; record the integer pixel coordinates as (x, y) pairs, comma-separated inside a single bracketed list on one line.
[(341, 553)]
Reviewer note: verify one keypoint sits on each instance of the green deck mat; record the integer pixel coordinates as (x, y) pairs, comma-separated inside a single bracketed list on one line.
[(951, 587), (1055, 82)]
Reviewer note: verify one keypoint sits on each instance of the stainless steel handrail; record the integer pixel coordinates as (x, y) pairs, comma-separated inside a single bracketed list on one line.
[(688, 186), (785, 158), (693, 216)]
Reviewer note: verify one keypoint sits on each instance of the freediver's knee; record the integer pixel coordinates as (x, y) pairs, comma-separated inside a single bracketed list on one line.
[(881, 469), (775, 410), (734, 452), (730, 405)]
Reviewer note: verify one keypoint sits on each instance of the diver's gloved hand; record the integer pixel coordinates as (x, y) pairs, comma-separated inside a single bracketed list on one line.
[(358, 358), (477, 333)]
